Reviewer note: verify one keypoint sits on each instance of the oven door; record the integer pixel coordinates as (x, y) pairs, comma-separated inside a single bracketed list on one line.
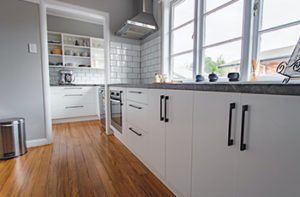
[(116, 114)]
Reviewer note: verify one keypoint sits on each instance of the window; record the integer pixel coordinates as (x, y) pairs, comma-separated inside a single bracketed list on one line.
[(229, 35), (181, 39), (222, 48), (278, 30)]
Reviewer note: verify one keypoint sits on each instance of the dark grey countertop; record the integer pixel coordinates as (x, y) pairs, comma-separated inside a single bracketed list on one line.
[(246, 87), (70, 85)]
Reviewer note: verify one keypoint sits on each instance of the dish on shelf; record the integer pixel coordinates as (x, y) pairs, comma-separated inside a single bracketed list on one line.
[(68, 52), (84, 54), (69, 64), (84, 66), (54, 41), (76, 53), (56, 51)]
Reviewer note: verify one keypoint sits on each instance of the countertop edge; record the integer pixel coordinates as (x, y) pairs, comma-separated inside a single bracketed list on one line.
[(273, 89)]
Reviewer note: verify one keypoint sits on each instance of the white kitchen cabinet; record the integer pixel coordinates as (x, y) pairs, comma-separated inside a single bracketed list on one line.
[(213, 154), (162, 136), (269, 167), (262, 162), (155, 127), (71, 102), (136, 139), (179, 108)]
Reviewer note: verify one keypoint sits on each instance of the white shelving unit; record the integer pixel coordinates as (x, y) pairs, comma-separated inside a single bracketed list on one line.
[(75, 50)]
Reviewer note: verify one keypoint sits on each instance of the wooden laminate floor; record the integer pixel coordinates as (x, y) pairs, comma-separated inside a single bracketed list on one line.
[(82, 161)]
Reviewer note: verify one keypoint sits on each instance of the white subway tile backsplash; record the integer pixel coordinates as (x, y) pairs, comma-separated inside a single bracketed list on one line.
[(115, 45), (150, 60), (125, 63)]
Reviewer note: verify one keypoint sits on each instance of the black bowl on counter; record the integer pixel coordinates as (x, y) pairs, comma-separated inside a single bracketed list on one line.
[(233, 76)]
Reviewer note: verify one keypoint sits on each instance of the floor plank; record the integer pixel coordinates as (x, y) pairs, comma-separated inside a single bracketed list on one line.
[(82, 161)]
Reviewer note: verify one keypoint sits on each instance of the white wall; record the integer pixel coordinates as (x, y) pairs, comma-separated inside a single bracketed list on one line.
[(21, 93)]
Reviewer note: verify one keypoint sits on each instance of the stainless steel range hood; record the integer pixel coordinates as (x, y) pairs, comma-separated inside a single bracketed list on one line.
[(142, 25)]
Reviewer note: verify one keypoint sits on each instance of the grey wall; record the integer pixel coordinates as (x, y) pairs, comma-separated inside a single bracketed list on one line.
[(65, 25), (119, 11), (21, 91)]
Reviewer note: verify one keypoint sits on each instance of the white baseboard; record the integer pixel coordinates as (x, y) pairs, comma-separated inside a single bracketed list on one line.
[(75, 119), (37, 142)]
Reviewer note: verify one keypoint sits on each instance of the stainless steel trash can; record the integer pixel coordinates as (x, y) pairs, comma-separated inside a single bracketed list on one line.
[(12, 138)]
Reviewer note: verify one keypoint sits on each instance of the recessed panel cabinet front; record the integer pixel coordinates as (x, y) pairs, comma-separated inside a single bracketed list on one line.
[(156, 135), (179, 120), (246, 145), (214, 144), (270, 164)]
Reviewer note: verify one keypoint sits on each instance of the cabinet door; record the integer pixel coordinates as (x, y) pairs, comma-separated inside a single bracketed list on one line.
[(269, 167), (155, 128), (213, 158), (179, 140)]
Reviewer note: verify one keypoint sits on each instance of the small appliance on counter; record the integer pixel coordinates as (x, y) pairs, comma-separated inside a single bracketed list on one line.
[(66, 77)]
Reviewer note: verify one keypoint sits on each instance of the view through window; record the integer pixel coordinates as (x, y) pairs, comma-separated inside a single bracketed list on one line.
[(275, 30), (277, 34), (182, 39), (222, 37)]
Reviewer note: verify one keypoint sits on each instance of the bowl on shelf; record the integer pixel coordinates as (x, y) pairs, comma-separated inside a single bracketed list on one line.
[(69, 64), (68, 52), (76, 53), (56, 51), (84, 54)]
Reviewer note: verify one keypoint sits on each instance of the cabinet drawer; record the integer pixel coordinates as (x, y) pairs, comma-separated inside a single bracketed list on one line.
[(73, 98), (72, 89), (138, 95), (136, 138), (69, 111), (137, 114)]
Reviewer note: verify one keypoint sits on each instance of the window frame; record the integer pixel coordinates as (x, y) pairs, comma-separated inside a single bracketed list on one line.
[(250, 38), (258, 31), (171, 55)]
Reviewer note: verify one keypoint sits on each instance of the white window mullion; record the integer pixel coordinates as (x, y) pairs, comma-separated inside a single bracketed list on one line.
[(246, 40), (201, 37), (196, 47), (257, 22)]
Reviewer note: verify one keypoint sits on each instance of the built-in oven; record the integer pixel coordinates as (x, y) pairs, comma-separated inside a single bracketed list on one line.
[(116, 109)]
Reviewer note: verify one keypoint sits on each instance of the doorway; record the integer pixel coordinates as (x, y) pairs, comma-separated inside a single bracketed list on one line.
[(69, 12)]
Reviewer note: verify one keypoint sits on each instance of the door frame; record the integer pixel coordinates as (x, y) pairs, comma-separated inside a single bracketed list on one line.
[(81, 13)]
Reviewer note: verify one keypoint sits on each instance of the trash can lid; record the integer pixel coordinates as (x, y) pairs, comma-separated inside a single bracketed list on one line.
[(12, 120)]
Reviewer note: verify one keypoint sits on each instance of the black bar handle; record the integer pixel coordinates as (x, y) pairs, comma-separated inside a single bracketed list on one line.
[(166, 98), (136, 107), (161, 116), (243, 145), (229, 140), (139, 134), (135, 92)]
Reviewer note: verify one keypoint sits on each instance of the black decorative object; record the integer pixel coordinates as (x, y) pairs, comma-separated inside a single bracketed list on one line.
[(213, 77), (199, 78), (233, 76), (291, 69)]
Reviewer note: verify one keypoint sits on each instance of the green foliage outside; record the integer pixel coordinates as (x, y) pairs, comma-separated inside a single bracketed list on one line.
[(212, 66)]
